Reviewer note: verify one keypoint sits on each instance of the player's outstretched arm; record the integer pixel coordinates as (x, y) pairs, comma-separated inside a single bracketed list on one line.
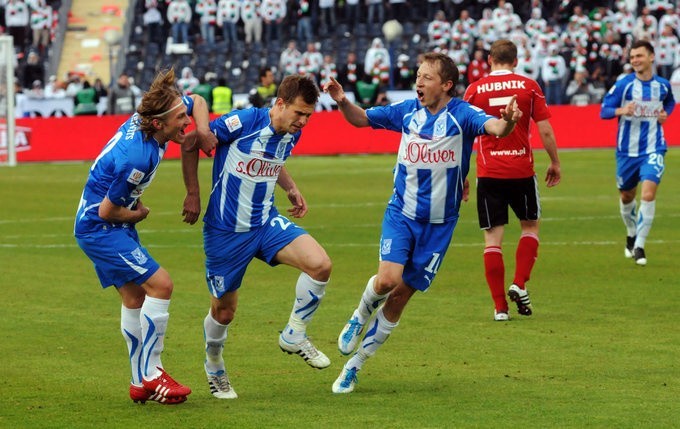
[(206, 140), (354, 114), (510, 114)]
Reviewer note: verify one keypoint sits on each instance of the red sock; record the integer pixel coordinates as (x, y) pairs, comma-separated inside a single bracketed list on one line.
[(527, 252), (495, 276)]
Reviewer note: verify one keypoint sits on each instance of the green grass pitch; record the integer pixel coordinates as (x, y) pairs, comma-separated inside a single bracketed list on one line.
[(601, 349)]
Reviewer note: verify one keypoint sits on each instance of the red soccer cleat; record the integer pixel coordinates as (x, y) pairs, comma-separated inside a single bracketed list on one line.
[(139, 394), (165, 386)]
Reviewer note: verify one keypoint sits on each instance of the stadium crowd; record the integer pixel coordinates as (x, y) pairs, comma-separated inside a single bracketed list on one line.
[(575, 49)]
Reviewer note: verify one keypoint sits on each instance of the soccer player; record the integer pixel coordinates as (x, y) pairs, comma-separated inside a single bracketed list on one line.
[(242, 222), (105, 228), (642, 102), (437, 133), (506, 177)]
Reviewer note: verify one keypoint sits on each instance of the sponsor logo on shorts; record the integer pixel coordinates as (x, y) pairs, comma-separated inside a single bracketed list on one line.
[(217, 283)]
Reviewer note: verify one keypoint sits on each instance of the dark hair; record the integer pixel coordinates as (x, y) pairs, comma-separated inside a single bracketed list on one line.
[(643, 44), (263, 72), (503, 51), (447, 69), (161, 96), (294, 86)]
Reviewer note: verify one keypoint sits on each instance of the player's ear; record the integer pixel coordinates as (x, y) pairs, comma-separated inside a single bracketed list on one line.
[(157, 124)]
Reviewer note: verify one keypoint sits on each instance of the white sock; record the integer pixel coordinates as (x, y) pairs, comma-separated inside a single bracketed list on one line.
[(215, 335), (378, 332), (628, 216), (131, 329), (154, 319), (308, 296), (644, 224), (370, 300)]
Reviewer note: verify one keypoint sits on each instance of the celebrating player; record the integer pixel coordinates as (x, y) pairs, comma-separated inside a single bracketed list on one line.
[(506, 177), (105, 228), (642, 101), (437, 132), (242, 222)]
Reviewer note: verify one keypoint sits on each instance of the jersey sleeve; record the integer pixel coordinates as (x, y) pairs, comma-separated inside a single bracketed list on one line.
[(540, 106), (472, 119), (669, 101), (229, 127), (389, 117), (189, 102), (612, 101)]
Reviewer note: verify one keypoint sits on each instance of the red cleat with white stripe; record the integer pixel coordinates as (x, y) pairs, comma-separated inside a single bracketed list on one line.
[(139, 394), (165, 386)]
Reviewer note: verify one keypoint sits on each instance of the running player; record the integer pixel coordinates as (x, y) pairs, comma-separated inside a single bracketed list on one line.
[(437, 133), (642, 102), (242, 222)]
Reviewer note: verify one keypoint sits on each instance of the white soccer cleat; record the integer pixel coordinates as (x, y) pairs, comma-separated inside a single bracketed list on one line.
[(220, 386), (500, 316), (639, 255), (346, 381), (313, 356), (521, 298), (350, 336)]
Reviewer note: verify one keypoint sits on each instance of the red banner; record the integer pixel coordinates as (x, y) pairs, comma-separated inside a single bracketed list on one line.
[(327, 133)]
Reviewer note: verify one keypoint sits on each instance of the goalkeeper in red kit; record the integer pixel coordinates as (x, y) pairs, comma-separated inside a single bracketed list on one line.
[(506, 177)]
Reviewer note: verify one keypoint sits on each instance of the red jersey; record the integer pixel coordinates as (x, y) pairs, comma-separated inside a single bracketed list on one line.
[(509, 157)]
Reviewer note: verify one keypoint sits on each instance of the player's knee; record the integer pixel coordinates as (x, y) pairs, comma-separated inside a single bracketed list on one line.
[(320, 268), (223, 315), (385, 283)]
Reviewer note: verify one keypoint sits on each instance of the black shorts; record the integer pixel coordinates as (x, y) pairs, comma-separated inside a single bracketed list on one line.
[(495, 195)]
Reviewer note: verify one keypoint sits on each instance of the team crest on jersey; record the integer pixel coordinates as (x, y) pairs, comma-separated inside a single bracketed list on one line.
[(135, 177), (386, 247), (139, 256), (233, 123)]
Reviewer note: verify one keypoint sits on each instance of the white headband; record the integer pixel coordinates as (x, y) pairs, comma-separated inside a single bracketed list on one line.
[(169, 110)]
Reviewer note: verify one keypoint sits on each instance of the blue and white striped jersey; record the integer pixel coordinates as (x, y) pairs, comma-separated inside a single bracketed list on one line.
[(248, 160), (122, 171), (434, 155), (640, 134)]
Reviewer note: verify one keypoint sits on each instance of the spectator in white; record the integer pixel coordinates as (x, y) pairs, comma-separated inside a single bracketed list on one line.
[(328, 70), (526, 65), (74, 85), (53, 88), (376, 54), (579, 91), (438, 30), (16, 20), (179, 17), (580, 19), (488, 29), (36, 90), (228, 14), (536, 24), (41, 24), (252, 22), (376, 13), (611, 54), (553, 74), (187, 82), (646, 26), (207, 10), (304, 21), (311, 60), (273, 12), (658, 7), (153, 21), (670, 18), (466, 22), (326, 16), (623, 19), (675, 81), (665, 49), (290, 59)]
